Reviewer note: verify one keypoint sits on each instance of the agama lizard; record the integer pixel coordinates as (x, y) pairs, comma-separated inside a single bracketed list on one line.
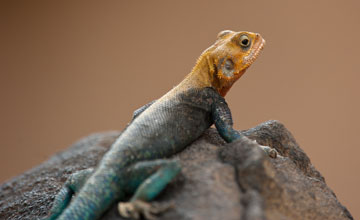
[(135, 163)]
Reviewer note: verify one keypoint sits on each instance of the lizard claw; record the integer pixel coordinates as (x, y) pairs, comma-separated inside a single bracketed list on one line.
[(271, 152), (138, 207)]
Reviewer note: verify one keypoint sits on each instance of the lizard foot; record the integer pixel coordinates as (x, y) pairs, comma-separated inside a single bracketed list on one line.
[(271, 152), (137, 208)]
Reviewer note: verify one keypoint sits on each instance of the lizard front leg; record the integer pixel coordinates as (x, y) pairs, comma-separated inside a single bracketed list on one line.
[(140, 110), (221, 116), (146, 180)]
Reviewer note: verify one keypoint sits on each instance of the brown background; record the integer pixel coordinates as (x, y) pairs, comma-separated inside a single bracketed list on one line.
[(70, 68)]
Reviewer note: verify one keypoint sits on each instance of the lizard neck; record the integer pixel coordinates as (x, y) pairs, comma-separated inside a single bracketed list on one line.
[(201, 76), (204, 75)]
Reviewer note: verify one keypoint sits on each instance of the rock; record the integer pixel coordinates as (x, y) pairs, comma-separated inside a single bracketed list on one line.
[(217, 181)]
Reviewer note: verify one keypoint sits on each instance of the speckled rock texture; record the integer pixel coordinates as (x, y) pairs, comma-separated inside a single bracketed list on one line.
[(217, 181)]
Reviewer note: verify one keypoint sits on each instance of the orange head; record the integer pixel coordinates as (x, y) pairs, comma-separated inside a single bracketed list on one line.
[(230, 56)]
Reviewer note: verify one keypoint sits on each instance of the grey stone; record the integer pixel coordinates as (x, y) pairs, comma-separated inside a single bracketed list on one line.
[(217, 181)]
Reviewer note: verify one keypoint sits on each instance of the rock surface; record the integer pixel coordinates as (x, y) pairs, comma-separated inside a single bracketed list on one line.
[(218, 180)]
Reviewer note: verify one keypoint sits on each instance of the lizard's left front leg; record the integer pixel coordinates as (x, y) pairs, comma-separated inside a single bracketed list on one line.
[(140, 110), (146, 180), (221, 116)]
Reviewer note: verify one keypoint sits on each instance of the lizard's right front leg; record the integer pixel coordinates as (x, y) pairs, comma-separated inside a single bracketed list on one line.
[(221, 115)]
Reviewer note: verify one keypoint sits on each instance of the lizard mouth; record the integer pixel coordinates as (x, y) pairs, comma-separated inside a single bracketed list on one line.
[(255, 51)]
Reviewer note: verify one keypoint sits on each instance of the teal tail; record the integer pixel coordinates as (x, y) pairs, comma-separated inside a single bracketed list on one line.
[(96, 196)]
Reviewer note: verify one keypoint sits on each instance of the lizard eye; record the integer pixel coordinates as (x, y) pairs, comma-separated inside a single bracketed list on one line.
[(244, 41)]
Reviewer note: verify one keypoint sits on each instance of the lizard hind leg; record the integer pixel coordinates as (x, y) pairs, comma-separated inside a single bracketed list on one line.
[(146, 180), (71, 186)]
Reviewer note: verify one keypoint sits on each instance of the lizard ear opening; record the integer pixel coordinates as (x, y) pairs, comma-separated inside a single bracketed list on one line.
[(227, 68), (223, 34)]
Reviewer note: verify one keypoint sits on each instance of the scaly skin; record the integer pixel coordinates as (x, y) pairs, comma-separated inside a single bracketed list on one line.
[(160, 129)]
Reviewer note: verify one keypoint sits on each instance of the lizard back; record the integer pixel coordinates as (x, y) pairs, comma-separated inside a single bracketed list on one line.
[(167, 126)]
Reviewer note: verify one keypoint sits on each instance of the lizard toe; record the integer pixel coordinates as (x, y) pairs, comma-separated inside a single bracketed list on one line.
[(138, 208), (128, 210), (271, 152)]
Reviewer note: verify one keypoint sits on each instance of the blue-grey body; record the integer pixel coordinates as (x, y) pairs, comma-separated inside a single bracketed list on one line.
[(164, 128), (135, 164)]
